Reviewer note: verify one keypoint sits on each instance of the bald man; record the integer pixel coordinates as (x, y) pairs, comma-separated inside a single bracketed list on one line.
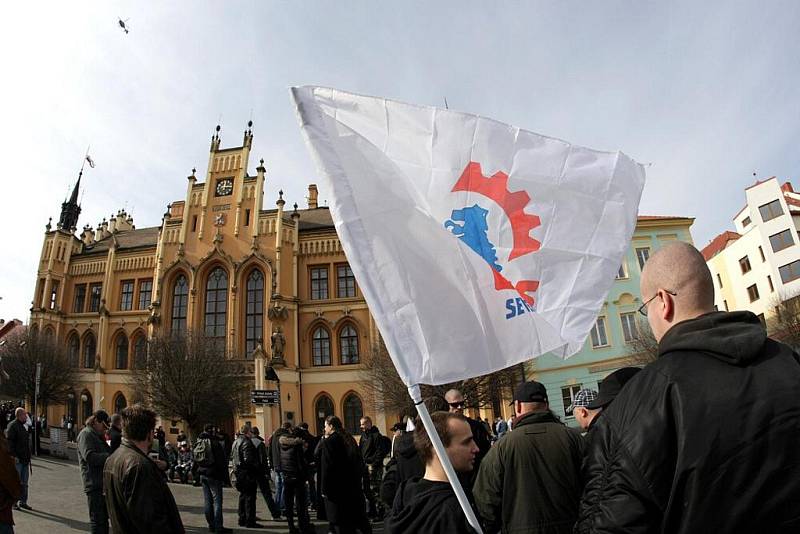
[(457, 404), (707, 437)]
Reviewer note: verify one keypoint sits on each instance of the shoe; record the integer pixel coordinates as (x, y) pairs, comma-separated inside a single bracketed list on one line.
[(25, 506)]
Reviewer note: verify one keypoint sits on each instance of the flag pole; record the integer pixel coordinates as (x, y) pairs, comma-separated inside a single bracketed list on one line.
[(422, 410)]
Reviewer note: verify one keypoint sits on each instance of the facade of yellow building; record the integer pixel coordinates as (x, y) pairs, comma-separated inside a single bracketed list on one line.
[(225, 262)]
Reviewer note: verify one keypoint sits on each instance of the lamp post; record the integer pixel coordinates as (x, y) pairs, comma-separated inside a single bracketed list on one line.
[(270, 374)]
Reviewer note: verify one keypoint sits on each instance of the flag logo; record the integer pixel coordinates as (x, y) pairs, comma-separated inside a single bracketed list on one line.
[(470, 226)]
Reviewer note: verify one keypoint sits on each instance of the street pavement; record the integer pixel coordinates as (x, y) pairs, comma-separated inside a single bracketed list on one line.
[(60, 507)]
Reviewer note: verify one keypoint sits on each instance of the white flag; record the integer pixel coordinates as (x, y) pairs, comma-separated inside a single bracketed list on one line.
[(477, 245)]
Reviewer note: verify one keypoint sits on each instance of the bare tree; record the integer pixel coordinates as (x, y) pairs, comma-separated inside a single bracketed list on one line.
[(389, 394), (643, 349), (20, 353), (784, 325), (188, 377)]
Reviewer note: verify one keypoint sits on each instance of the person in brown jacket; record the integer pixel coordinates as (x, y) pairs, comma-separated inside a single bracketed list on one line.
[(137, 495), (10, 487)]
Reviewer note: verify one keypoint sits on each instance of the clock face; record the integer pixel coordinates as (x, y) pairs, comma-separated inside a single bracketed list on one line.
[(224, 187)]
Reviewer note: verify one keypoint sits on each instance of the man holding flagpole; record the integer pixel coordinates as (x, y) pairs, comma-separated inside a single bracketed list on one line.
[(461, 233)]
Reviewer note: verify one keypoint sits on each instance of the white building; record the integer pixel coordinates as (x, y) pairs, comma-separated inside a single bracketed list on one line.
[(758, 264)]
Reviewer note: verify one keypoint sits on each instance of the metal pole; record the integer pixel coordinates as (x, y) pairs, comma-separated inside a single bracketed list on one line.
[(35, 400), (416, 395)]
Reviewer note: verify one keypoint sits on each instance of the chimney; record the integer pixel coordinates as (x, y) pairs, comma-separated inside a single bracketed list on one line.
[(124, 221), (112, 223), (312, 196), (102, 231), (88, 235)]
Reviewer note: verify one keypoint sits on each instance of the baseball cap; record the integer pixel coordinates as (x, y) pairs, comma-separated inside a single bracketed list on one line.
[(611, 386), (531, 391), (582, 398)]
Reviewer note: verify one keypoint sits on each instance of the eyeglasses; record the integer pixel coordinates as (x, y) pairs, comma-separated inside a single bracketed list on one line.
[(643, 307), (456, 404)]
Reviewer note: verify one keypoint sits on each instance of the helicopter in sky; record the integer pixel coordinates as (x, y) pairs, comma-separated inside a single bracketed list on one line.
[(122, 24)]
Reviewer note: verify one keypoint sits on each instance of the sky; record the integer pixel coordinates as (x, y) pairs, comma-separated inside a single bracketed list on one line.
[(706, 92)]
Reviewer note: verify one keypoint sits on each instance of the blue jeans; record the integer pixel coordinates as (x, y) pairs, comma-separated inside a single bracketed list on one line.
[(279, 494), (212, 495), (24, 472)]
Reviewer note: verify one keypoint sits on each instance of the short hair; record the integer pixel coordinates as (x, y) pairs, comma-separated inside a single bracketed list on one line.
[(287, 425), (116, 419), (208, 428), (245, 429), (441, 422), (18, 411), (255, 431), (138, 422), (304, 425), (366, 418)]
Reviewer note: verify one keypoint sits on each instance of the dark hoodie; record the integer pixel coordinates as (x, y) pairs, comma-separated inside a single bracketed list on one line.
[(293, 460), (426, 506), (704, 439), (405, 464)]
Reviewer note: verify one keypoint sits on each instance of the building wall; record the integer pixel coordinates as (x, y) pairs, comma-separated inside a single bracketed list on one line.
[(591, 364)]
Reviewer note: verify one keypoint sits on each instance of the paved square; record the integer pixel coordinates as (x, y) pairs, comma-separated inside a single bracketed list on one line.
[(60, 507)]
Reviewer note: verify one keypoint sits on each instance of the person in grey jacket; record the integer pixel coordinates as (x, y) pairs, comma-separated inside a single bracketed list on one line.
[(92, 454)]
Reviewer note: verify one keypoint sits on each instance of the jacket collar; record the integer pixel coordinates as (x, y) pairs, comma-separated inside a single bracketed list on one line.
[(533, 418), (129, 444)]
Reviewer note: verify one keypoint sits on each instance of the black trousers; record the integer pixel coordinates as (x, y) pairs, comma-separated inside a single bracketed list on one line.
[(266, 491), (247, 506), (294, 493), (98, 514)]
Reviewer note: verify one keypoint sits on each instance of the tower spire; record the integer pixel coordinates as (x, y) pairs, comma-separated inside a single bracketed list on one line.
[(70, 210)]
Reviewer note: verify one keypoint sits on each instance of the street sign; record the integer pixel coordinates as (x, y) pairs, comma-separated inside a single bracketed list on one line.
[(265, 396)]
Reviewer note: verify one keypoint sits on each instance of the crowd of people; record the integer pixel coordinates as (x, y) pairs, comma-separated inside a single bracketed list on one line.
[(705, 438)]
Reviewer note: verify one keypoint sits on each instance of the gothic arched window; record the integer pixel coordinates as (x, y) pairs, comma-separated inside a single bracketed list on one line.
[(254, 311), (322, 409), (89, 351), (348, 345), (180, 303), (120, 403), (321, 347), (73, 350), (216, 303), (353, 412), (121, 352), (139, 352)]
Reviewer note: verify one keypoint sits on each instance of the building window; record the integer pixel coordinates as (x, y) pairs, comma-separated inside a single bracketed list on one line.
[(319, 283), (126, 301), (40, 293), (79, 303), (752, 292), (139, 352), (216, 303), (781, 240), (346, 282), (322, 409), (247, 217), (745, 222), (642, 254), (623, 271), (53, 294), (598, 334), (180, 303), (348, 345), (762, 319), (790, 271), (89, 351), (145, 294), (73, 350), (771, 210), (321, 347), (629, 330), (761, 252), (120, 403), (568, 396), (353, 412), (121, 352), (744, 264), (254, 311), (95, 290), (725, 305), (771, 287), (194, 223), (719, 280)]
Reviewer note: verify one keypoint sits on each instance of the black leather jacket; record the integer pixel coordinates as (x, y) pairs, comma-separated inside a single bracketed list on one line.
[(705, 439)]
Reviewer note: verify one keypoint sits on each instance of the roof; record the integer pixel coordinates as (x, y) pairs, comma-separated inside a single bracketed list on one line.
[(315, 219), (127, 239), (719, 244), (641, 218)]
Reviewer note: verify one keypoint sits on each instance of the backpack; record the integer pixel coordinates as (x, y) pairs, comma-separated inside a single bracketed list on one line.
[(203, 453)]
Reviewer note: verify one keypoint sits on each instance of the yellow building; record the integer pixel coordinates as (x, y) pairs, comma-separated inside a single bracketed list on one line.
[(222, 261)]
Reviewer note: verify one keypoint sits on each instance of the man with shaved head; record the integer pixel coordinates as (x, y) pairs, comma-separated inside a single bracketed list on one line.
[(707, 437), (457, 404)]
